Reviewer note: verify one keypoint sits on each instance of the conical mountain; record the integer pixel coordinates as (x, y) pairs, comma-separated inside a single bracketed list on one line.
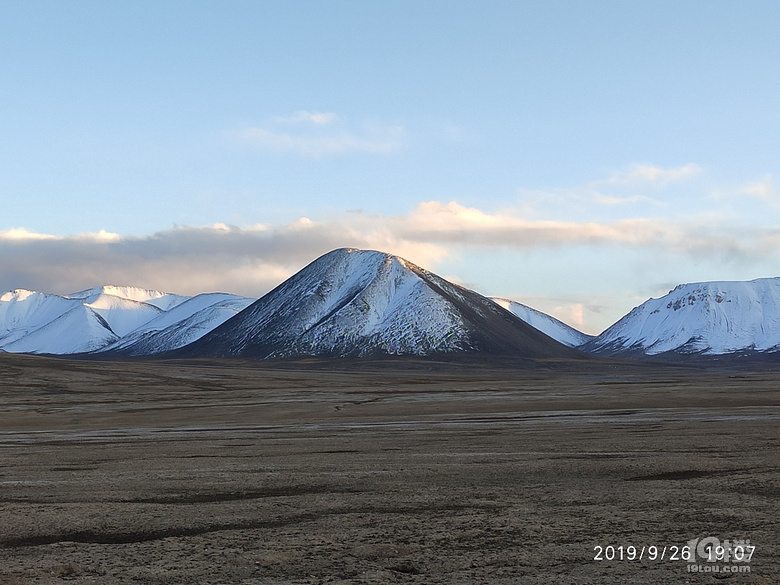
[(357, 303)]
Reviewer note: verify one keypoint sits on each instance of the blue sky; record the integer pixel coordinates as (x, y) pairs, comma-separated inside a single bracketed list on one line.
[(577, 156)]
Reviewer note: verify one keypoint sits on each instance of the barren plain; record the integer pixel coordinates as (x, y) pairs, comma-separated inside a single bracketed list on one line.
[(158, 472)]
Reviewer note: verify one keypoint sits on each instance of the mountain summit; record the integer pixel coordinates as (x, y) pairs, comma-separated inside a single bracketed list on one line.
[(357, 303), (710, 318)]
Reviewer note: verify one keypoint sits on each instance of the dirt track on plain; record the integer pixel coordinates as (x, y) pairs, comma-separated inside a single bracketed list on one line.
[(394, 472)]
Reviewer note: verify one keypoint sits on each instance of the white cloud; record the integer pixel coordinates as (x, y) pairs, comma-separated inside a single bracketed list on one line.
[(619, 194), (762, 189), (303, 116), (302, 223), (327, 145), (322, 134), (455, 224), (22, 234), (611, 200), (101, 236), (644, 173)]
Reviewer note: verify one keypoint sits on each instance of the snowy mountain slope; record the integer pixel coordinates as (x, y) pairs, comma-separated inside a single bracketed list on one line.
[(545, 323), (79, 329), (33, 322), (706, 317), (23, 311), (122, 315), (182, 324), (354, 303)]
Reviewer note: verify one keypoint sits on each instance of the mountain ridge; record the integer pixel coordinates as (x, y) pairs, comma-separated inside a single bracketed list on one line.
[(90, 320), (365, 303), (545, 323), (707, 318)]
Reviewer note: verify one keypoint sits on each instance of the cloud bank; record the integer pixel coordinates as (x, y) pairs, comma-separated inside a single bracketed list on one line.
[(251, 260)]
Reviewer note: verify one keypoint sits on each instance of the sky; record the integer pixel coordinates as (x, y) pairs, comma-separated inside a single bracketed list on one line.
[(579, 157)]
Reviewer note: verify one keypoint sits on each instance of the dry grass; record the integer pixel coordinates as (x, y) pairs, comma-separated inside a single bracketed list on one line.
[(387, 472)]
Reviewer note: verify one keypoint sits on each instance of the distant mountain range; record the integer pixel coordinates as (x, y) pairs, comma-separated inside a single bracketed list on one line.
[(359, 303), (123, 319)]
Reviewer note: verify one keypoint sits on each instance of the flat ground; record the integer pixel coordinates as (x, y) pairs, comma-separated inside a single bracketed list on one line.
[(386, 472)]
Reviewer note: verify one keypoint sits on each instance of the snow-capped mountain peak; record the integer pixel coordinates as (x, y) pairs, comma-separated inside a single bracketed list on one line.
[(353, 303), (18, 294), (706, 317), (159, 299)]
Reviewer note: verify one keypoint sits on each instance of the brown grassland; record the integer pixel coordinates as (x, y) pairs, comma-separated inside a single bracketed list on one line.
[(392, 471)]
